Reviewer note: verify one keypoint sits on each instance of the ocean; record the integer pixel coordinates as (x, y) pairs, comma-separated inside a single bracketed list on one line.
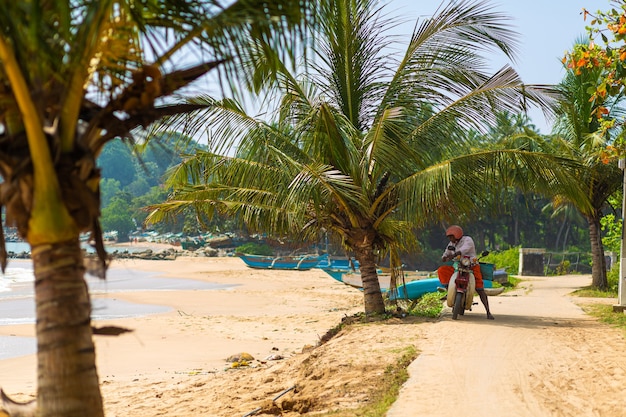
[(17, 303), (21, 247)]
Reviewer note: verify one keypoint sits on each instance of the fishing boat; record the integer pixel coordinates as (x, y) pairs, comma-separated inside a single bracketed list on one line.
[(346, 264), (353, 278), (415, 289), (299, 263)]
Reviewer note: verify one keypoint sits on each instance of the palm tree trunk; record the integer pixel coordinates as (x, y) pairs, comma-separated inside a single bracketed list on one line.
[(566, 237), (557, 244), (373, 298), (598, 265), (67, 377)]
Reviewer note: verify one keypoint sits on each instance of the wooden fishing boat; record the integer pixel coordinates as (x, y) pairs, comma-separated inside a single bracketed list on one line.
[(353, 278), (298, 263), (415, 289), (346, 264)]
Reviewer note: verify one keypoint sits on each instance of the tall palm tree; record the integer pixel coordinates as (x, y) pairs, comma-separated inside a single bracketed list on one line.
[(577, 136), (73, 76), (370, 146)]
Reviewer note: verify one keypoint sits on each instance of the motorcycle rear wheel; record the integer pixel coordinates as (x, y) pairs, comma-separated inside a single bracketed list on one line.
[(458, 306)]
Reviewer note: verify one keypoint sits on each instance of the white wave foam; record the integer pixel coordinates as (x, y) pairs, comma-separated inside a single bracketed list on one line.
[(15, 275)]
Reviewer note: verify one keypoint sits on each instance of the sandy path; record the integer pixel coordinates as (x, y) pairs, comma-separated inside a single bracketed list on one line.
[(542, 356)]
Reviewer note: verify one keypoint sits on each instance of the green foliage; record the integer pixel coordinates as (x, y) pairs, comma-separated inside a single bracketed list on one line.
[(612, 233), (116, 161), (141, 181), (153, 196), (252, 248), (108, 188), (118, 216), (428, 305), (508, 259), (563, 268), (612, 278), (512, 282), (592, 292)]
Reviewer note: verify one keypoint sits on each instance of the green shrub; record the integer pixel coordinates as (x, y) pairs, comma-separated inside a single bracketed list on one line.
[(563, 267), (613, 278), (508, 259), (428, 305), (252, 248)]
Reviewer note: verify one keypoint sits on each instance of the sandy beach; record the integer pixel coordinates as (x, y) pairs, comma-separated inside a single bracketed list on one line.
[(267, 314), (541, 356)]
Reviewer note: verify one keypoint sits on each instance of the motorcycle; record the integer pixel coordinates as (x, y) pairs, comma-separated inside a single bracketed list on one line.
[(462, 286)]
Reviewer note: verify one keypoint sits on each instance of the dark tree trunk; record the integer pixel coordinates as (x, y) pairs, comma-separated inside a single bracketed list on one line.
[(67, 376), (557, 244), (566, 237), (598, 266), (361, 243)]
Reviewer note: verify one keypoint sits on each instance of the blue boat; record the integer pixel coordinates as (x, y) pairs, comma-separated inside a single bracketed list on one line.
[(347, 264), (298, 263), (353, 278), (415, 289)]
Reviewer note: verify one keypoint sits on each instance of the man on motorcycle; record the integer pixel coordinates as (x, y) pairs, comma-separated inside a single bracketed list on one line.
[(462, 245)]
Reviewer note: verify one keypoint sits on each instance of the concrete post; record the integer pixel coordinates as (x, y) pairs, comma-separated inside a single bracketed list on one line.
[(621, 296)]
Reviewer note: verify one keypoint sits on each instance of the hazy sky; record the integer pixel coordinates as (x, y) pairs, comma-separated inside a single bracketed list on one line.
[(547, 29)]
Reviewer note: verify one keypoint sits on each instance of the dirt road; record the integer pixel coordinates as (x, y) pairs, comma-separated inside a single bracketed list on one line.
[(542, 356)]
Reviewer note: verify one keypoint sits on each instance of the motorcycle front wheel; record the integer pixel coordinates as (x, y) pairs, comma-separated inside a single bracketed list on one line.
[(458, 305)]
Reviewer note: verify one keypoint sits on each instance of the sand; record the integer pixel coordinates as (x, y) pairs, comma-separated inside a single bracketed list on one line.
[(541, 356)]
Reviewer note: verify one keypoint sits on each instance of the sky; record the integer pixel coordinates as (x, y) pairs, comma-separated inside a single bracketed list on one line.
[(547, 28)]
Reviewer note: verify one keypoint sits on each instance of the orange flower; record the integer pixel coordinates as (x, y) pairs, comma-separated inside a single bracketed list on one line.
[(600, 111)]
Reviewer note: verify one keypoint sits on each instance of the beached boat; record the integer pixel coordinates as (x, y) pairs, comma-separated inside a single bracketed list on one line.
[(346, 264), (299, 263), (353, 278), (415, 289)]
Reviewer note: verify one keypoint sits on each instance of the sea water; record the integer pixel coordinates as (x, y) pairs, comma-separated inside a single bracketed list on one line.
[(17, 303), (23, 247)]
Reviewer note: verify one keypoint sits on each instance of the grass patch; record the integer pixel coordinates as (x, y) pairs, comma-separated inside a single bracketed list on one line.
[(509, 285), (512, 282), (386, 392), (594, 293), (428, 305), (605, 314)]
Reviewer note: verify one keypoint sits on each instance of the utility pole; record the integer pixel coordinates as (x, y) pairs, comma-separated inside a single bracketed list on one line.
[(621, 289)]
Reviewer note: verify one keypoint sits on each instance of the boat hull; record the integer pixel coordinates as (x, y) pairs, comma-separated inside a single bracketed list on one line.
[(415, 289), (339, 263), (353, 278), (298, 263)]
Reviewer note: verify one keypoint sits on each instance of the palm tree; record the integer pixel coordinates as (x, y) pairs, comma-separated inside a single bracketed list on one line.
[(73, 76), (370, 146), (578, 136)]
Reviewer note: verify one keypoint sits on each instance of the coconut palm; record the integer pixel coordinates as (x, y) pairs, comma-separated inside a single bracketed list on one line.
[(578, 136), (73, 76), (370, 146)]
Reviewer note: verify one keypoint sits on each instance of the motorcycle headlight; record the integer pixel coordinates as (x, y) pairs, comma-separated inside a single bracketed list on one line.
[(465, 261)]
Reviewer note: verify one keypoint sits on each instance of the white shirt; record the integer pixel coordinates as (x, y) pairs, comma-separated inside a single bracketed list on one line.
[(465, 245)]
